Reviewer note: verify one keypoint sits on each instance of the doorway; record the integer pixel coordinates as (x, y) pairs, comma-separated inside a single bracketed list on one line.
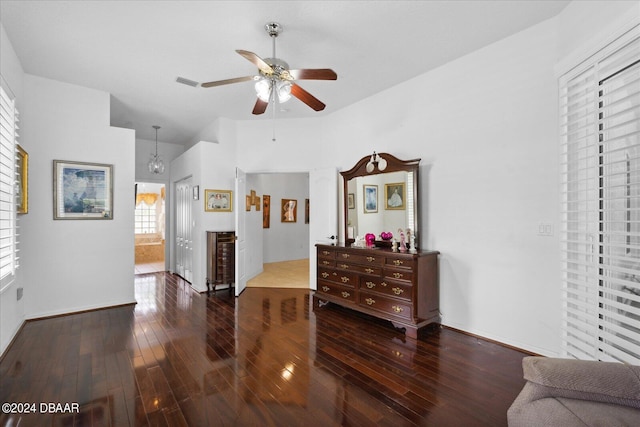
[(149, 228)]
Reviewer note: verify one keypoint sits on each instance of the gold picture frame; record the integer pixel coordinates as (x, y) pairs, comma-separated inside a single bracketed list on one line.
[(395, 196), (218, 200), (22, 189)]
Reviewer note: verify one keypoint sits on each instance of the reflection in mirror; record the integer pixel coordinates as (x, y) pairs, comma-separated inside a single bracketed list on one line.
[(380, 204), (381, 200)]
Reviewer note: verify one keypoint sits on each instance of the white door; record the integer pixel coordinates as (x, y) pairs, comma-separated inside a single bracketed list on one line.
[(184, 230), (323, 213), (241, 241)]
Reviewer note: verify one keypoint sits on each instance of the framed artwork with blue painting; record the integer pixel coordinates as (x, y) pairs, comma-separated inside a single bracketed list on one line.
[(82, 190)]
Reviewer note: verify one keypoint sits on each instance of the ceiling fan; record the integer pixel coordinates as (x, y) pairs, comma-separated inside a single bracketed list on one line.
[(276, 82)]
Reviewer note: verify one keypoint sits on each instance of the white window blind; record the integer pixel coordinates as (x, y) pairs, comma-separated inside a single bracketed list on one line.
[(600, 166), (8, 140)]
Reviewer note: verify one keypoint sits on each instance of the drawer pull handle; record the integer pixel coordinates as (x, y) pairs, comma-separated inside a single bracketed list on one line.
[(384, 284), (369, 270), (397, 275), (371, 259), (397, 291), (345, 294), (370, 301), (325, 274), (326, 252), (397, 309), (326, 288), (344, 279), (371, 285), (345, 266), (326, 262), (345, 255), (397, 262)]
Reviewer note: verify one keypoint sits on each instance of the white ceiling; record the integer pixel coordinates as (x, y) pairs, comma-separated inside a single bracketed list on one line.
[(135, 50)]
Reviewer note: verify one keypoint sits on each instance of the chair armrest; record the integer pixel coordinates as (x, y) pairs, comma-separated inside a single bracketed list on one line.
[(582, 379)]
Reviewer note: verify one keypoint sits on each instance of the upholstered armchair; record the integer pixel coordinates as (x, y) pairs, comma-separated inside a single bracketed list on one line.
[(567, 392)]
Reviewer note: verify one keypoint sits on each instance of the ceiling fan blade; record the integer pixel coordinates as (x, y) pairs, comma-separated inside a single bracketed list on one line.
[(313, 74), (260, 107), (257, 61), (228, 81), (306, 97)]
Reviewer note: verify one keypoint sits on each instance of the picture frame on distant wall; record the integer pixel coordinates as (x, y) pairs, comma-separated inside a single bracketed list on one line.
[(370, 194), (352, 201), (82, 190), (266, 211), (22, 187), (289, 210), (218, 200)]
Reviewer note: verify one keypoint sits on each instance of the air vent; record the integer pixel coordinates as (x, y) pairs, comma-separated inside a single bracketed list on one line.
[(187, 82)]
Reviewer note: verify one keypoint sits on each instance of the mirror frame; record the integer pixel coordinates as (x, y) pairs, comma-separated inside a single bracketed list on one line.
[(393, 165)]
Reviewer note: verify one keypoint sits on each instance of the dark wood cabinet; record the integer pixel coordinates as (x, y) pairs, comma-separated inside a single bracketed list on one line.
[(396, 286), (220, 259)]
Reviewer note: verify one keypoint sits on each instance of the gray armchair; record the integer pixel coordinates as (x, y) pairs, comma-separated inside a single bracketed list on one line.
[(568, 392)]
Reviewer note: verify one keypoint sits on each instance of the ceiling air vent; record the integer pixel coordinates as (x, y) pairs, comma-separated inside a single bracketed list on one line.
[(187, 82)]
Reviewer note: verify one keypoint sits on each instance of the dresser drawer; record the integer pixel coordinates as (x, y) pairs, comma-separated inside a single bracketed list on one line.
[(398, 274), (387, 287), (400, 262), (346, 278), (365, 269), (326, 253), (389, 306), (364, 258), (326, 262), (335, 290)]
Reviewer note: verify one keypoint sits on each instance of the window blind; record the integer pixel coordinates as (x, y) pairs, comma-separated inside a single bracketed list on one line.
[(600, 230), (8, 139)]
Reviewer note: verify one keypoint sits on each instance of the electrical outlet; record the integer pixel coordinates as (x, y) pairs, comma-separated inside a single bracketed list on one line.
[(545, 229)]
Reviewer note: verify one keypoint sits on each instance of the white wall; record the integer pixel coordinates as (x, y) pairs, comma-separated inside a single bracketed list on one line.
[(211, 166), (73, 265)]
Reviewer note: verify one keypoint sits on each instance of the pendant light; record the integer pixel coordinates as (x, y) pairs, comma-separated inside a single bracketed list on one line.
[(156, 165)]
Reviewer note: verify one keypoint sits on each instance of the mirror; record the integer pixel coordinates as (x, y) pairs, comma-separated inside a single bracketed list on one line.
[(381, 195)]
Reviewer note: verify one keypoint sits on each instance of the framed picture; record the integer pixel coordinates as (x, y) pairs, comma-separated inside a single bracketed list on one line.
[(370, 198), (247, 203), (22, 188), (266, 211), (289, 210), (352, 201), (82, 190), (196, 192), (218, 200), (394, 196)]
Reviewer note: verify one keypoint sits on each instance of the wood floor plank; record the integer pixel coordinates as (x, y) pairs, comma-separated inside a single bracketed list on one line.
[(180, 358)]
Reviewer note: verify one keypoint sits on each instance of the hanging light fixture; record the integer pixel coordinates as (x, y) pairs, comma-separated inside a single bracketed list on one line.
[(156, 165), (376, 161)]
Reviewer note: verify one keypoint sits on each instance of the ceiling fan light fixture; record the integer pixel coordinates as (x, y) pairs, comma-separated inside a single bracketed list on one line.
[(263, 89), (284, 91)]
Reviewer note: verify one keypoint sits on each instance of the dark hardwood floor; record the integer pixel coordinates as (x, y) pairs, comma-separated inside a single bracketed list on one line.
[(263, 359)]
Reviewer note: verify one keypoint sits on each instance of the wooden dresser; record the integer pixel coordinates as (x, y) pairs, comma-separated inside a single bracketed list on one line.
[(399, 287), (221, 254)]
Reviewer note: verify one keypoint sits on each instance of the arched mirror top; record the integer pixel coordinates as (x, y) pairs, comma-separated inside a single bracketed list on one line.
[(381, 196)]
